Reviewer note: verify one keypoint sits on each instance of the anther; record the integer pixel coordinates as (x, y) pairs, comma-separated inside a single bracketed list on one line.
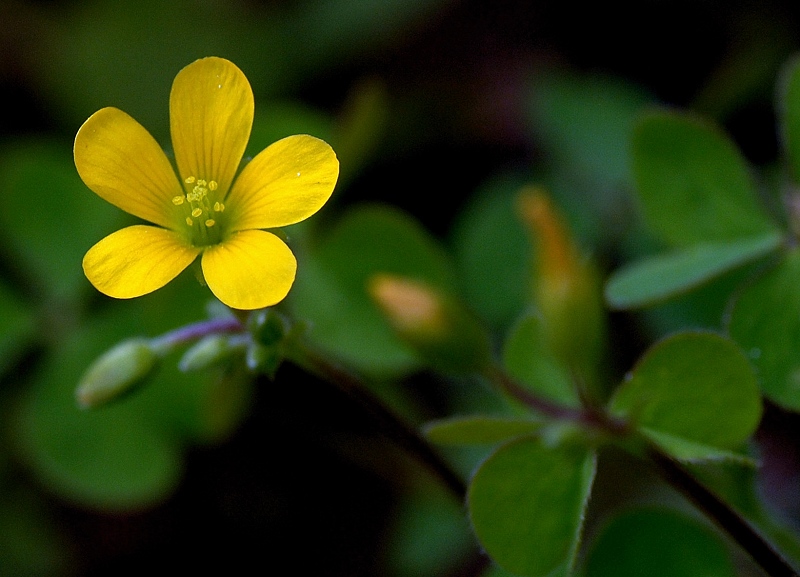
[(210, 222), (197, 212), (212, 185), (189, 221), (219, 207), (177, 200), (189, 179)]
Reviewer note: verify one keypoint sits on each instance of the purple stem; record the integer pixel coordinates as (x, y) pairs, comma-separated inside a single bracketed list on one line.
[(196, 331)]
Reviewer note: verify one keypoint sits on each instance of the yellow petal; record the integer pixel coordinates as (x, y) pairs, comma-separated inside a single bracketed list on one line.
[(137, 260), (211, 114), (251, 270), (119, 160), (285, 183)]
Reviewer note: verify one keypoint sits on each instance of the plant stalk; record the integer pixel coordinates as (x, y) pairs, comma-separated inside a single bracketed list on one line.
[(389, 424), (725, 517)]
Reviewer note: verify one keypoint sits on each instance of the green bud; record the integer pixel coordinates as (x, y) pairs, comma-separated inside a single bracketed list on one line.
[(438, 327), (268, 326), (207, 352), (116, 372), (263, 359)]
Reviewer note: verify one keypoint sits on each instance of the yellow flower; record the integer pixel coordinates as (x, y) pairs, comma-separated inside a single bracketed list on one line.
[(206, 208)]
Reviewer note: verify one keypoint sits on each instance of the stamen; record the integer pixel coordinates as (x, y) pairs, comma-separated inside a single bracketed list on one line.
[(200, 205)]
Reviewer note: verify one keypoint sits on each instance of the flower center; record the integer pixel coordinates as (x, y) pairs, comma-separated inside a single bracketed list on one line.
[(202, 210)]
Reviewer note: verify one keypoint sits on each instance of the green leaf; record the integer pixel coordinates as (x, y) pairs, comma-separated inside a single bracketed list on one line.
[(127, 455), (788, 107), (330, 293), (658, 542), (49, 218), (497, 275), (478, 430), (527, 504), (585, 123), (658, 278), (30, 542), (765, 321), (17, 327), (693, 183), (690, 452), (697, 386), (528, 359), (111, 458), (424, 520)]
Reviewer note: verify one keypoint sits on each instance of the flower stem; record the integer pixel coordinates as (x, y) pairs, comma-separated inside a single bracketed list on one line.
[(589, 417), (389, 424), (192, 332), (726, 518)]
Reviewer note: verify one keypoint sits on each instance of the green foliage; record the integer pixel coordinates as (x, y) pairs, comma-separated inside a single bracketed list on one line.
[(693, 183), (528, 358), (715, 247), (330, 293), (526, 504), (426, 519), (698, 387), (479, 430), (788, 109), (39, 181), (658, 542), (17, 326), (130, 454), (765, 321), (496, 275), (661, 277)]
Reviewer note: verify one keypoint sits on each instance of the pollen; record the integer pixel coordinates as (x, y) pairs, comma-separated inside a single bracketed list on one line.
[(200, 198)]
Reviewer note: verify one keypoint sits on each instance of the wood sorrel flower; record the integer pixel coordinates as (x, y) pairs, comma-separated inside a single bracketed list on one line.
[(206, 208)]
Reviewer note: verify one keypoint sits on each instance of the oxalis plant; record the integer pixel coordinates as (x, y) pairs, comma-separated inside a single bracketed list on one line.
[(376, 296)]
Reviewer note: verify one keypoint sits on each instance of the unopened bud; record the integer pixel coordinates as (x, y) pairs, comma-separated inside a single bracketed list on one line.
[(268, 326), (437, 327), (566, 288), (116, 372), (263, 359), (207, 352)]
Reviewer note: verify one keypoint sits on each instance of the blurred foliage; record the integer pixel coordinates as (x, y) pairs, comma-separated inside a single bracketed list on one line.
[(673, 186)]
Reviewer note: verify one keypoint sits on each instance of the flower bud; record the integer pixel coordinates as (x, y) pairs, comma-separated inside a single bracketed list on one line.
[(268, 326), (263, 359), (116, 372), (566, 288), (207, 352), (438, 328)]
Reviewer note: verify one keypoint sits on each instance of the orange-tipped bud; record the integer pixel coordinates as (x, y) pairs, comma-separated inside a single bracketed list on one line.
[(437, 327), (566, 288), (557, 257)]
